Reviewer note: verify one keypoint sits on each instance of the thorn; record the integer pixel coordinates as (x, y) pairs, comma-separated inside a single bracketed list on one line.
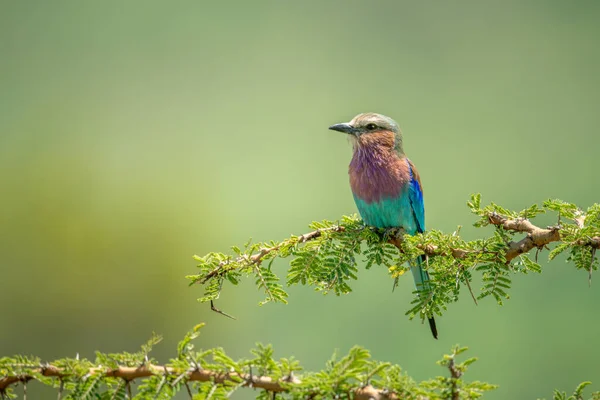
[(289, 377), (198, 368), (178, 379), (215, 309), (212, 391), (250, 377), (457, 278)]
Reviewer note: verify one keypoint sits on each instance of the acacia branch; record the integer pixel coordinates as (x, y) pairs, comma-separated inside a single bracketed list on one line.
[(536, 237), (129, 374), (335, 247)]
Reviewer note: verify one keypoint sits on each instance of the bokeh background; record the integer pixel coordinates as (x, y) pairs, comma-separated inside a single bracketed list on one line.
[(136, 134)]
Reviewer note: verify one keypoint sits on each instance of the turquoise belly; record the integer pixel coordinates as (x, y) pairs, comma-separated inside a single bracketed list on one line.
[(388, 213)]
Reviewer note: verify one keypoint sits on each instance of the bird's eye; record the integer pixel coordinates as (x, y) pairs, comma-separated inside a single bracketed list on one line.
[(371, 127)]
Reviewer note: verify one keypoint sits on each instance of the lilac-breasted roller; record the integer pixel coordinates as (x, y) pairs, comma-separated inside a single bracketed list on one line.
[(385, 183)]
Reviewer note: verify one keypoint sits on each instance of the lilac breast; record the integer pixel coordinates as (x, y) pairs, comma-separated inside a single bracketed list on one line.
[(376, 174)]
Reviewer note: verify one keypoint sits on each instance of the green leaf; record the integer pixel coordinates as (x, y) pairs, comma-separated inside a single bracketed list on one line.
[(557, 250), (530, 265), (184, 347), (475, 203)]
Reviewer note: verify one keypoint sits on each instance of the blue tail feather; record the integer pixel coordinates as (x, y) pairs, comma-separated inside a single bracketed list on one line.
[(421, 278)]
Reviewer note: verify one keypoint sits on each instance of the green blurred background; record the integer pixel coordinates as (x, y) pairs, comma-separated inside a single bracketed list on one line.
[(136, 134)]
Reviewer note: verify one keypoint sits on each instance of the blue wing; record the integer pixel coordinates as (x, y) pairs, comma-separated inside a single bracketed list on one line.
[(415, 194)]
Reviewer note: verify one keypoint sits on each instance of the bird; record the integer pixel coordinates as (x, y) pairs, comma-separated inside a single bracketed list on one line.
[(385, 184)]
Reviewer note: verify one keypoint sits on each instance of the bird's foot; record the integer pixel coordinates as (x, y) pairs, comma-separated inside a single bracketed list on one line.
[(394, 233)]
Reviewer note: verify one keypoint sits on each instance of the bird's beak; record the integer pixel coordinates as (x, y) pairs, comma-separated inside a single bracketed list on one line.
[(346, 128)]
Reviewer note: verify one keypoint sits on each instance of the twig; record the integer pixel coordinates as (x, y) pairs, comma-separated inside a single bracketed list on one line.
[(469, 287), (118, 389), (258, 257), (189, 390), (215, 309)]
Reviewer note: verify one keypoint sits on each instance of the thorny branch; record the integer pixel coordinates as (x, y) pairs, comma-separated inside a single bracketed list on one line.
[(128, 374), (536, 237), (334, 247)]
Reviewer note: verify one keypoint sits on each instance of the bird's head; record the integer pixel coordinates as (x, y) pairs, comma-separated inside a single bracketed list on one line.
[(371, 129)]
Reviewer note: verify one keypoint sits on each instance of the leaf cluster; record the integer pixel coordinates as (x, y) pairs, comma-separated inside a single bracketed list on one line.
[(577, 393)]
